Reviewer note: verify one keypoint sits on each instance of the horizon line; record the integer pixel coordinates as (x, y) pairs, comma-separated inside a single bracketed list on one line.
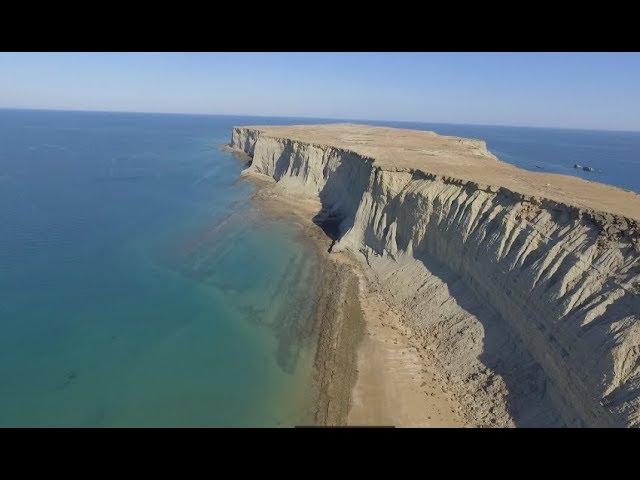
[(315, 118)]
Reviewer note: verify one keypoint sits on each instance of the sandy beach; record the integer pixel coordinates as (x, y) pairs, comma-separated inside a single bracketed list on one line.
[(370, 371)]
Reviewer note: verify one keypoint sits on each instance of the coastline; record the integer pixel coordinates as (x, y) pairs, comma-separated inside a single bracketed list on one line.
[(368, 369), (338, 321), (519, 289)]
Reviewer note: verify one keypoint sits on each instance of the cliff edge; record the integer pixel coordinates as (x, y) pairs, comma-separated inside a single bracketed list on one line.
[(523, 285)]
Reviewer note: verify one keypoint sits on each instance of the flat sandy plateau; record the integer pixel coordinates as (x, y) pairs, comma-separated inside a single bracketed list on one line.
[(460, 158), (370, 371)]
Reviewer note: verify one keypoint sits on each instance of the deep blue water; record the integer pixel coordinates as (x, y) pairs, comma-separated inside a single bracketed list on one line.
[(139, 285)]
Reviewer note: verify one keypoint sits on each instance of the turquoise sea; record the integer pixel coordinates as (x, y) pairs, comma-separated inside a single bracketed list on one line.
[(139, 285)]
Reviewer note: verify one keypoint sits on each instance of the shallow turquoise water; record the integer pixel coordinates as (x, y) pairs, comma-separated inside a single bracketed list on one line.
[(139, 284)]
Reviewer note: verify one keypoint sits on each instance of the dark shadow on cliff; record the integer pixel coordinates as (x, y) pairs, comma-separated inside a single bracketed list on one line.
[(527, 400), (341, 195), (282, 163), (330, 217), (329, 222)]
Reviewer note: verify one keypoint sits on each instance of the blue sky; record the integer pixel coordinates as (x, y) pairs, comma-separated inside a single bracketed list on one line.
[(579, 90)]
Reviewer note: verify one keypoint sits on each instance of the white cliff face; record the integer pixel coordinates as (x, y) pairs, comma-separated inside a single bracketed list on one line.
[(531, 307)]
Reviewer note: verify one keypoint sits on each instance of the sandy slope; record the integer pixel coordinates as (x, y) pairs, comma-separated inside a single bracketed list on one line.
[(381, 378)]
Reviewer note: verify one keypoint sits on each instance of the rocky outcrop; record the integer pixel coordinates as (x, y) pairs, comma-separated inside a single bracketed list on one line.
[(530, 305)]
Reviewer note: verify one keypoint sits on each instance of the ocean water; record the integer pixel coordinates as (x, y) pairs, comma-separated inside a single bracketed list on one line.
[(140, 286)]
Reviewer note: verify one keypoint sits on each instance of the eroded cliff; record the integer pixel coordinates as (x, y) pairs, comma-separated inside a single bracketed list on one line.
[(529, 301)]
